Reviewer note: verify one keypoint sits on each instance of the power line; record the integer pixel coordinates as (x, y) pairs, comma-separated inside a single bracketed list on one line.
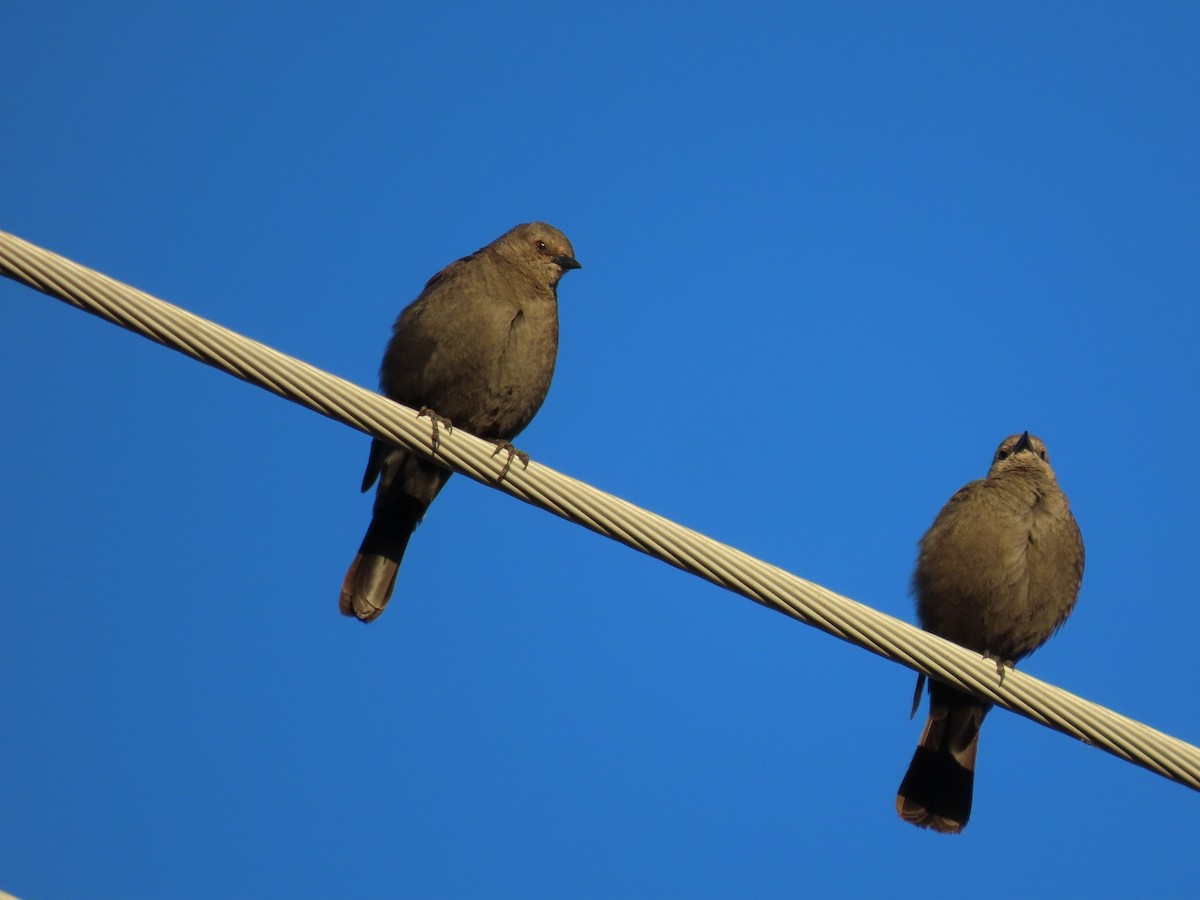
[(598, 511)]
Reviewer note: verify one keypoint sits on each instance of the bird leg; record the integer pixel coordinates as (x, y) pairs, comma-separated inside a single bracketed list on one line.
[(436, 420), (502, 445)]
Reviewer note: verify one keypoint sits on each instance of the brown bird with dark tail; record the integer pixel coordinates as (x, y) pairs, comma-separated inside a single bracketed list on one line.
[(998, 572), (477, 348)]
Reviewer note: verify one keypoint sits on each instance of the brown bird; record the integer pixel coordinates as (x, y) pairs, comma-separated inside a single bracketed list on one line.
[(477, 348), (998, 572)]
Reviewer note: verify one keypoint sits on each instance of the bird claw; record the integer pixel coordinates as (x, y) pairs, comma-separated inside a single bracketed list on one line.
[(1002, 665), (435, 419), (917, 694), (502, 445)]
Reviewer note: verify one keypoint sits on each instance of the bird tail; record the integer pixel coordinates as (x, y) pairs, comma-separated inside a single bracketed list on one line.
[(406, 488), (937, 790), (371, 578)]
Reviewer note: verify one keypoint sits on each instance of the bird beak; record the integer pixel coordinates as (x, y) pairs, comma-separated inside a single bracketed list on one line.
[(567, 263), (1023, 444)]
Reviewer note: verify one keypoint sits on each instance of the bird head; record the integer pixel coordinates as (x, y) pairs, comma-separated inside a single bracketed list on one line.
[(542, 248), (1020, 448)]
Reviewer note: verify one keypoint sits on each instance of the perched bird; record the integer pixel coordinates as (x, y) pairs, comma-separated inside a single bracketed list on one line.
[(477, 350), (998, 572)]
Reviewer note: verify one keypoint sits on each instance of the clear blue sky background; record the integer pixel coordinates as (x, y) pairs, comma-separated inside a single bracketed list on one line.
[(832, 256)]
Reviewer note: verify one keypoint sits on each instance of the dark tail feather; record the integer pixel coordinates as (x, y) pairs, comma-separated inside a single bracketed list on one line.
[(371, 578), (407, 485), (937, 789)]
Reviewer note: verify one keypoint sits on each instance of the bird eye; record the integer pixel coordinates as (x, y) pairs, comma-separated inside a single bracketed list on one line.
[(1042, 454), (541, 245), (1001, 454)]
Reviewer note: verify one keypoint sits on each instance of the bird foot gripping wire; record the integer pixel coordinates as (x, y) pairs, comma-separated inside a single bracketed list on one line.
[(436, 440), (1002, 665), (506, 446)]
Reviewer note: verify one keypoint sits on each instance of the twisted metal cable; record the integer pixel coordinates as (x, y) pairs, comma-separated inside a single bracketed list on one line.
[(601, 512)]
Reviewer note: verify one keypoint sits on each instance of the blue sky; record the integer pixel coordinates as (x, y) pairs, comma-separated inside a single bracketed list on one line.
[(832, 256)]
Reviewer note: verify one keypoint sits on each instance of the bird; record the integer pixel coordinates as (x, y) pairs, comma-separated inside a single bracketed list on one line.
[(475, 350), (998, 572)]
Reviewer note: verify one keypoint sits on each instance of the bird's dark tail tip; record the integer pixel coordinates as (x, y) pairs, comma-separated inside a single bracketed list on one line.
[(936, 791), (367, 587), (916, 814)]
